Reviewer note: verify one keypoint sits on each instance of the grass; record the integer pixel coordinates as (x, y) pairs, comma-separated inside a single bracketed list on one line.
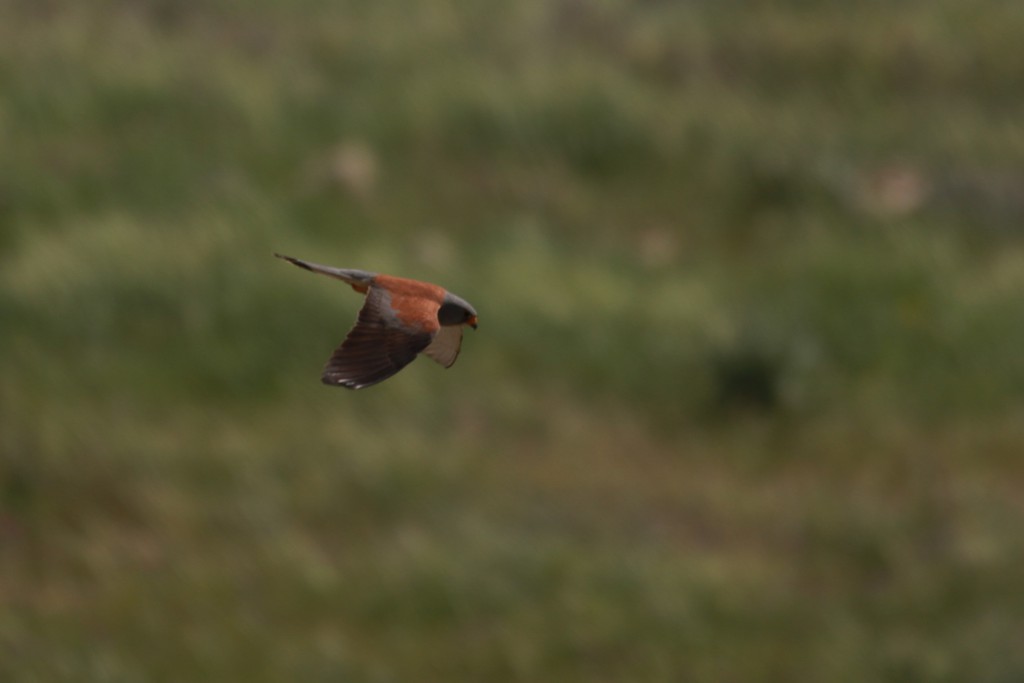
[(745, 403)]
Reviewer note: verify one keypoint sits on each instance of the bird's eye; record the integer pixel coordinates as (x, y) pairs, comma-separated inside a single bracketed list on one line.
[(451, 314)]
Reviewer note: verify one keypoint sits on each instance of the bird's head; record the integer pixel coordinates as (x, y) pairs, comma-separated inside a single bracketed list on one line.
[(456, 311)]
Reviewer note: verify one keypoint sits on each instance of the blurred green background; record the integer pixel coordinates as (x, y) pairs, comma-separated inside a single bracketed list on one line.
[(747, 398)]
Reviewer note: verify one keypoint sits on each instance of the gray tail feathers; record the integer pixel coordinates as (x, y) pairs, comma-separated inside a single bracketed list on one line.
[(356, 278)]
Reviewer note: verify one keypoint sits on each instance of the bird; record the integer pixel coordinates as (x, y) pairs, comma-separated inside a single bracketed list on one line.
[(400, 318)]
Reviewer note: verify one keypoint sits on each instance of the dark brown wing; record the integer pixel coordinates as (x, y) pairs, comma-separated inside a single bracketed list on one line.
[(376, 348)]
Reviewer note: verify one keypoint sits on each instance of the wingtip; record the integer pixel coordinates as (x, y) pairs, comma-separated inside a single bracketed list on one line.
[(329, 381), (332, 381)]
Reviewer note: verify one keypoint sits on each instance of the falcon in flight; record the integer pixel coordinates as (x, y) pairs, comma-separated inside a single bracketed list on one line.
[(399, 319)]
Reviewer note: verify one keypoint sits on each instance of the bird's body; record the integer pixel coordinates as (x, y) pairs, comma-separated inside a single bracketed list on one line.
[(399, 319), (417, 302)]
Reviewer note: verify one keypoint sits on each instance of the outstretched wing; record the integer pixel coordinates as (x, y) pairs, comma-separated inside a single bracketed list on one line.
[(446, 344), (376, 348)]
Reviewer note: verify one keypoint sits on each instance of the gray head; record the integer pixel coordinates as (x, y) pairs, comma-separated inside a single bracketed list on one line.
[(456, 311)]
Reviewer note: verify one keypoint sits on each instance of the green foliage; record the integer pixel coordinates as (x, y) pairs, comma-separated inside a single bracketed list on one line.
[(744, 403)]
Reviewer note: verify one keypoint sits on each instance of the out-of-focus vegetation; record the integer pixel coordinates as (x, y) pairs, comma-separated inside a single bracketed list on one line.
[(747, 399)]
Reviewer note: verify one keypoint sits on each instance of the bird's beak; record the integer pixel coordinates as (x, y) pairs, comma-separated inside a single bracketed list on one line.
[(472, 321)]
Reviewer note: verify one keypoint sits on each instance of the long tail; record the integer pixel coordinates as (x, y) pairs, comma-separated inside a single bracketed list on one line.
[(360, 280)]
